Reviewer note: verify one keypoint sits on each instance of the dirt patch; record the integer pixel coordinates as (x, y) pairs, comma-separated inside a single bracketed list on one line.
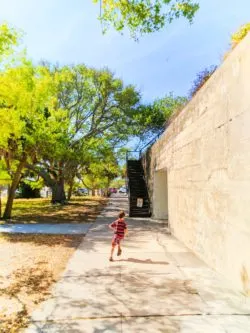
[(29, 265)]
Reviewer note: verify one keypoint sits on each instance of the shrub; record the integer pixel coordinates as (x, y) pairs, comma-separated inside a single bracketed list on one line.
[(240, 34), (201, 79)]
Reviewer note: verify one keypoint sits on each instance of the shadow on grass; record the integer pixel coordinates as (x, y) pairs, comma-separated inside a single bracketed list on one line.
[(70, 241), (42, 211)]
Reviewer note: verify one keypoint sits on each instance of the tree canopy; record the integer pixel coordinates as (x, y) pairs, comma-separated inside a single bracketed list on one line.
[(8, 39), (152, 119), (59, 122), (62, 124), (144, 16)]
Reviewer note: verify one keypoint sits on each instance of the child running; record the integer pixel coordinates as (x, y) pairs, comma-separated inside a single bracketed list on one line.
[(120, 229)]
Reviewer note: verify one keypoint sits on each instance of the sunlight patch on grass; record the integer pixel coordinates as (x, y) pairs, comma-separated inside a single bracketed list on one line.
[(79, 209)]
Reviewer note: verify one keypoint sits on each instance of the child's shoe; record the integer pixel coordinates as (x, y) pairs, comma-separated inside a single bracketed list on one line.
[(119, 252), (111, 259)]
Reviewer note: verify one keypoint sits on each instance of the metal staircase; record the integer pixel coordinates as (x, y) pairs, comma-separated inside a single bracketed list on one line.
[(139, 205)]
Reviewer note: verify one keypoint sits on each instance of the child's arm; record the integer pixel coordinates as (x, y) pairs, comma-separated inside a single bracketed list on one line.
[(112, 225), (126, 231)]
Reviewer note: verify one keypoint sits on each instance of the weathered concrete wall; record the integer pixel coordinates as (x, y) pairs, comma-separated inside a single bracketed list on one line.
[(206, 154)]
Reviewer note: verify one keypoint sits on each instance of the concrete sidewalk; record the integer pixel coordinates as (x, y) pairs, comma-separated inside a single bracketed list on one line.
[(157, 285), (46, 228)]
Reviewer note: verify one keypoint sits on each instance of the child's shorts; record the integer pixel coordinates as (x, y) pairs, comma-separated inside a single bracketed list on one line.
[(116, 240)]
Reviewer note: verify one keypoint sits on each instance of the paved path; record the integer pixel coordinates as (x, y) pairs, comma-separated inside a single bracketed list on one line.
[(158, 285), (44, 228)]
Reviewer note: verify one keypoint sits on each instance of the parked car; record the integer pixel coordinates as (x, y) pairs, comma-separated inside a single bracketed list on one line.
[(18, 194), (122, 189), (82, 191), (112, 190)]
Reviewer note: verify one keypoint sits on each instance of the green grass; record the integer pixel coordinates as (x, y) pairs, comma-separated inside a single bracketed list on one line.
[(79, 209)]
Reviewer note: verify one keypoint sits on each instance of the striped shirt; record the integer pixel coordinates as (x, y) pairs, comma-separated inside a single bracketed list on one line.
[(119, 227)]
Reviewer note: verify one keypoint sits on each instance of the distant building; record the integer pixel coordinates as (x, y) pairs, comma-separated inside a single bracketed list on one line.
[(46, 192)]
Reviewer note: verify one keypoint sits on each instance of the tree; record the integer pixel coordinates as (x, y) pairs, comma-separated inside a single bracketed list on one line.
[(53, 120), (25, 96), (97, 108), (144, 16), (117, 183), (102, 169), (153, 118), (9, 37), (4, 181), (60, 122)]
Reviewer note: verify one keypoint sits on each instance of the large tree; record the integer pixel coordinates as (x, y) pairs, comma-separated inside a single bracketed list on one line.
[(97, 108), (26, 95), (59, 122), (144, 16)]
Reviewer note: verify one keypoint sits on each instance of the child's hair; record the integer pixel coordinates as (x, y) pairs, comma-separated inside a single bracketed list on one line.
[(121, 214)]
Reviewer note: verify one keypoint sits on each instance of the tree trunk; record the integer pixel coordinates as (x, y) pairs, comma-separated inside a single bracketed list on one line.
[(71, 183), (56, 183), (12, 189), (58, 192), (93, 192), (0, 203)]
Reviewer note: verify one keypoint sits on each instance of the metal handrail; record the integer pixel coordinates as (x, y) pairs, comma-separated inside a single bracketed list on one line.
[(150, 143)]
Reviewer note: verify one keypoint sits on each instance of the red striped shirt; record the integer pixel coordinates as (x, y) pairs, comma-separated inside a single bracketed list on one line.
[(119, 226)]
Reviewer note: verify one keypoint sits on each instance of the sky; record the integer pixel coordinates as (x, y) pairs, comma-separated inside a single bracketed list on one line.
[(68, 32)]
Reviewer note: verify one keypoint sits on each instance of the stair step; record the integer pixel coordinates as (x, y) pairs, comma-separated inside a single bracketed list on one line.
[(137, 189), (140, 215), (143, 209)]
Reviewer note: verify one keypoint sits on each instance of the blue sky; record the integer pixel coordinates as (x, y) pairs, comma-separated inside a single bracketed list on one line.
[(66, 31)]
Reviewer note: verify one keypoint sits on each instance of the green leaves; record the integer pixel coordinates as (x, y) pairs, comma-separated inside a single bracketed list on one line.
[(144, 16), (66, 122), (65, 119), (101, 169), (5, 178), (152, 118), (8, 38), (96, 104), (240, 34)]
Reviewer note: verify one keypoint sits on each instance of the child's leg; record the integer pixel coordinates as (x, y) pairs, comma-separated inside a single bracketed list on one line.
[(112, 251), (114, 242), (119, 252)]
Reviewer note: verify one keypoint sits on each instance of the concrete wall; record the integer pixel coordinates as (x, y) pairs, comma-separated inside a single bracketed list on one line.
[(206, 152), (160, 195)]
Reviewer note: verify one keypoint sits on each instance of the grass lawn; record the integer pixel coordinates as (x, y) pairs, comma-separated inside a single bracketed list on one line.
[(79, 210), (29, 265)]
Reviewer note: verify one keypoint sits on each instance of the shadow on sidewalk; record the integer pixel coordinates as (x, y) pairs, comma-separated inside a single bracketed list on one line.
[(146, 261)]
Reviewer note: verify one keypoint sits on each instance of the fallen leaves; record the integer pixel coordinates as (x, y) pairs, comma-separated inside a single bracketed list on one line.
[(29, 265)]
